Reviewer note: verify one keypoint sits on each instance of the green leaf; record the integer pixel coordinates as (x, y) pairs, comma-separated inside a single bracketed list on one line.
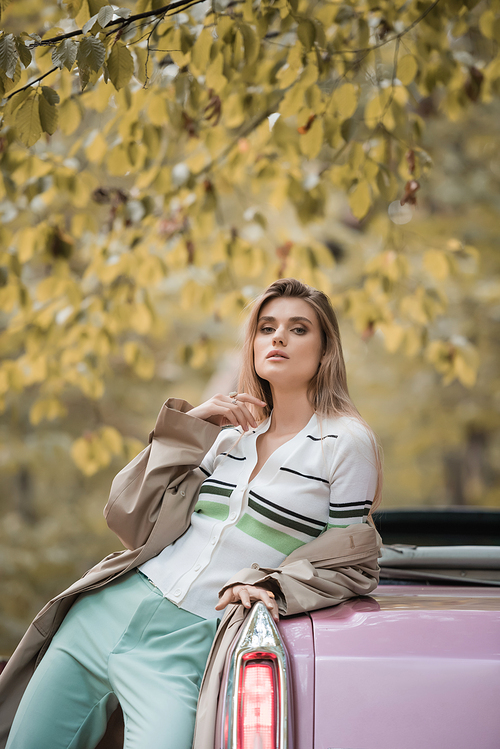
[(24, 53), (64, 55), (28, 125), (51, 95), (91, 53), (251, 43), (306, 32), (105, 15), (120, 65), (8, 55), (48, 115)]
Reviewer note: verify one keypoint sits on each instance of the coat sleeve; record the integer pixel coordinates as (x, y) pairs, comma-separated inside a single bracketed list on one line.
[(340, 564), (176, 446)]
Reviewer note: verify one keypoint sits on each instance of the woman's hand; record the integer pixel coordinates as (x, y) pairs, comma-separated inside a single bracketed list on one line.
[(247, 594), (224, 409)]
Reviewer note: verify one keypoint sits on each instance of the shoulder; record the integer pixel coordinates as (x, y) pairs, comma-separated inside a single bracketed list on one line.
[(226, 437), (351, 436)]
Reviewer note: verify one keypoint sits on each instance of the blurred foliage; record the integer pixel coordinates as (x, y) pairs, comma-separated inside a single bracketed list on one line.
[(158, 172)]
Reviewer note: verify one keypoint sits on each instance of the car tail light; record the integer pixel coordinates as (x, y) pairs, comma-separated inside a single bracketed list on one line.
[(254, 696), (257, 710)]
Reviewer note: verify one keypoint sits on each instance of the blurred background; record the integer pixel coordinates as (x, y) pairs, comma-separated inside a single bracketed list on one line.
[(83, 381)]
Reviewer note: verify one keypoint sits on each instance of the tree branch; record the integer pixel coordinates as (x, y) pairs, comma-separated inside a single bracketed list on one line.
[(32, 83), (120, 22)]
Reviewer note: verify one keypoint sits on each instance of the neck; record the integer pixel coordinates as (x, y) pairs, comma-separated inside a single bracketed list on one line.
[(291, 412)]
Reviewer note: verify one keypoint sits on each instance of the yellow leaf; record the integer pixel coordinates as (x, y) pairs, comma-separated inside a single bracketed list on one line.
[(97, 150), (376, 107), (157, 110), (214, 76), (81, 452), (436, 263), (47, 408), (120, 65), (466, 362), (292, 101), (112, 438), (311, 142), (360, 199), (144, 366), (393, 335), (487, 24), (344, 101), (26, 243), (141, 319), (70, 116), (200, 54), (118, 162), (407, 69)]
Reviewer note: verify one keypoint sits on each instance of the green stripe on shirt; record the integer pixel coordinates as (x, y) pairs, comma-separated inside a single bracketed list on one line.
[(215, 510), (283, 520), (220, 490), (276, 539), (348, 513)]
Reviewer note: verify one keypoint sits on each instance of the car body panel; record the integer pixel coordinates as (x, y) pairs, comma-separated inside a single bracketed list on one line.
[(409, 666), (297, 634)]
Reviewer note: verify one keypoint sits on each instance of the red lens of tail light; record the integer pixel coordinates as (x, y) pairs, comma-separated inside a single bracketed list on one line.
[(257, 703)]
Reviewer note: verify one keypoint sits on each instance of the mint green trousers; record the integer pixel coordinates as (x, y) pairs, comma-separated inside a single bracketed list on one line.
[(124, 643)]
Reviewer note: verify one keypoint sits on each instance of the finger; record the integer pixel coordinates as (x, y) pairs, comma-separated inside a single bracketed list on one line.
[(229, 415), (244, 415), (245, 598), (247, 398), (225, 599)]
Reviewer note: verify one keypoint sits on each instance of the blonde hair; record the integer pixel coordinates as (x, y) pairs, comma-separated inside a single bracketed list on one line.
[(328, 391)]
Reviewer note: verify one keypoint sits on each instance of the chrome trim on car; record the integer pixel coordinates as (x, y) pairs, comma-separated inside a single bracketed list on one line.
[(259, 635)]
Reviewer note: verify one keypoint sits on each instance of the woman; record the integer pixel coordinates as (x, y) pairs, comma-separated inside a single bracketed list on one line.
[(296, 462)]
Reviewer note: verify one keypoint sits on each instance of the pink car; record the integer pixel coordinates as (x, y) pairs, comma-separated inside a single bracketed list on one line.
[(415, 665)]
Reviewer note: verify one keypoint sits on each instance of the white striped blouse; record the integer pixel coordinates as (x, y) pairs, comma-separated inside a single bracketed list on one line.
[(324, 477)]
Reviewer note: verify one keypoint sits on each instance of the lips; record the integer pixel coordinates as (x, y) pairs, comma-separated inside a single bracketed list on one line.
[(275, 352)]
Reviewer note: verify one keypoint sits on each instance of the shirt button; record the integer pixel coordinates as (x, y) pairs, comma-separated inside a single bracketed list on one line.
[(232, 516), (255, 566), (183, 493), (213, 541), (177, 592), (197, 567)]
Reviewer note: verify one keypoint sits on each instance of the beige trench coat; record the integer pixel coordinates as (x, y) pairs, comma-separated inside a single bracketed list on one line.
[(150, 505)]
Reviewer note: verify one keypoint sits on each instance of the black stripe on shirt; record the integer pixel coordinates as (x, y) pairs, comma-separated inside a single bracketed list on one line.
[(232, 456), (318, 439), (288, 512), (351, 504), (284, 521), (205, 472), (216, 481), (305, 475)]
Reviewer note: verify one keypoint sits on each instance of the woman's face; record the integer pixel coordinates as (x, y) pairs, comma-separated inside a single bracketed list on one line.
[(287, 347)]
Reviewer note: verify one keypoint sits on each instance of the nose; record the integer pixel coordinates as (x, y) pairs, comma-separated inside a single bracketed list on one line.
[(279, 337)]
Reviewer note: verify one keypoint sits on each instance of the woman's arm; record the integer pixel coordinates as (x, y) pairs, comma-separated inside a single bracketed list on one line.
[(177, 445), (181, 438), (339, 564)]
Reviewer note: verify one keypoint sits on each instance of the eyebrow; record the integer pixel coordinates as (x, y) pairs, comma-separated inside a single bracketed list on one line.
[(268, 318)]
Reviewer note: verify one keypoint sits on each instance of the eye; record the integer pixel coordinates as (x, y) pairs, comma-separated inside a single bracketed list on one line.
[(266, 329), (299, 330)]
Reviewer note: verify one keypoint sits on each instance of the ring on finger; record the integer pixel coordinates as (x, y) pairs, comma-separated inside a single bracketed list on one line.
[(233, 397)]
